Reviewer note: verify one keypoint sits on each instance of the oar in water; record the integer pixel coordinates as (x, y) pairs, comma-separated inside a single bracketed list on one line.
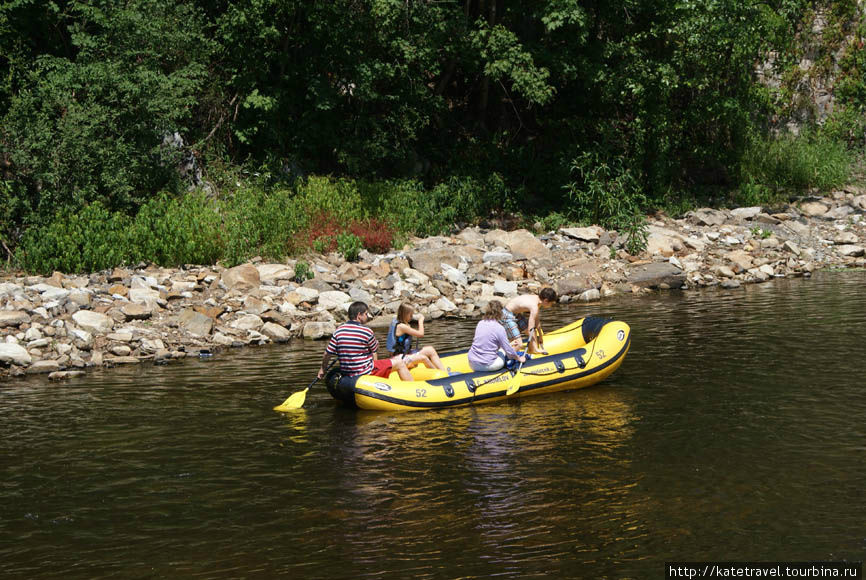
[(515, 381), (296, 400)]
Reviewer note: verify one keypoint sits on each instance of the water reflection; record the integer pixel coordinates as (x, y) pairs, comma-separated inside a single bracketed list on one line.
[(730, 432)]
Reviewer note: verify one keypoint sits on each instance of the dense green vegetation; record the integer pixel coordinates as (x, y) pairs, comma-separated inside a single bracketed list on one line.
[(191, 132)]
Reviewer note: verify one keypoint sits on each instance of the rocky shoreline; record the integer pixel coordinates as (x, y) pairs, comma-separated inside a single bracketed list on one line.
[(63, 325)]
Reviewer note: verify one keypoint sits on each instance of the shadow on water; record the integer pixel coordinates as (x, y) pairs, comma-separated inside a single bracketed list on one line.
[(733, 431)]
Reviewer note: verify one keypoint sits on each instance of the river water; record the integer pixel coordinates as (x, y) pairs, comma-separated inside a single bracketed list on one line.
[(734, 430)]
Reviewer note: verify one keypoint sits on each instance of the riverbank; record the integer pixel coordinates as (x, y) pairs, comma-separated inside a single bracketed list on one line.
[(63, 325)]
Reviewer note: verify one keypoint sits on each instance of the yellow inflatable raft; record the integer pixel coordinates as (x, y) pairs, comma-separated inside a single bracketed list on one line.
[(579, 355)]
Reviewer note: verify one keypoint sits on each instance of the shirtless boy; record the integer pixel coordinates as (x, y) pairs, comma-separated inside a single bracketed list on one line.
[(521, 313)]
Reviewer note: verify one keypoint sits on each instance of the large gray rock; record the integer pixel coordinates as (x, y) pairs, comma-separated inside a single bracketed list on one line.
[(272, 273), (43, 366), (707, 217), (195, 323), (746, 213), (445, 305), (243, 278), (94, 322), (430, 261), (319, 330), (247, 322), (526, 246), (813, 208), (14, 354), (134, 311), (574, 284), (591, 234), (333, 299), (146, 296), (850, 251), (276, 332), (454, 275), (655, 274), (319, 283), (13, 318), (497, 257), (505, 288)]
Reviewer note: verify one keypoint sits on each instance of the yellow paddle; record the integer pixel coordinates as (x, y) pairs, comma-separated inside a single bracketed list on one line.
[(295, 400), (515, 381)]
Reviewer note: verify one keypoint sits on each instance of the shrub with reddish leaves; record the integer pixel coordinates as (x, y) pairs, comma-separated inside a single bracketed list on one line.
[(375, 235), (321, 235)]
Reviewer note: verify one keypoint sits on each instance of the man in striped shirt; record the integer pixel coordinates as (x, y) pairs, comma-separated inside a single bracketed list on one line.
[(355, 345)]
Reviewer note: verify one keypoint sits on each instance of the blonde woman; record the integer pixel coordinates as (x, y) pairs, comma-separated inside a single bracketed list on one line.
[(490, 337), (399, 341)]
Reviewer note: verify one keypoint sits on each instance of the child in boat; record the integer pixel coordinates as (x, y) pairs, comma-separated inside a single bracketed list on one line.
[(399, 341), (355, 345), (522, 314), (490, 337)]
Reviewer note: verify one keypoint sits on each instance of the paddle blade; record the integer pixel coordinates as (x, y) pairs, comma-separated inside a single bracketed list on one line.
[(514, 386), (295, 401)]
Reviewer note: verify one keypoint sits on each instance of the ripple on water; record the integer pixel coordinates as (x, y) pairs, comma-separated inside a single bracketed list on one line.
[(731, 431)]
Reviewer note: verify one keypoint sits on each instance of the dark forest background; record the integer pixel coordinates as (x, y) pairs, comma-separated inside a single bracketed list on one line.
[(191, 132)]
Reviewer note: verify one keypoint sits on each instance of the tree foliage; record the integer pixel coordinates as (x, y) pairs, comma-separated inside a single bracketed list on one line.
[(507, 93)]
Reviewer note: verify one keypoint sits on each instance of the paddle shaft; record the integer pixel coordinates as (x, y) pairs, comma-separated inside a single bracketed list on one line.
[(515, 382)]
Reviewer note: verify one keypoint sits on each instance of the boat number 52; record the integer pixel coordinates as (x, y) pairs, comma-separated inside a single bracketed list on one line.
[(421, 393), (600, 354)]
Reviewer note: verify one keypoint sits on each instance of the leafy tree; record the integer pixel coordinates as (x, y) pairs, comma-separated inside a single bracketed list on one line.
[(90, 110)]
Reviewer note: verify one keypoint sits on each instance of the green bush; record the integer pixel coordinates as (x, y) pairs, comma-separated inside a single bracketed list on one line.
[(798, 162), (172, 232), (89, 240), (405, 205), (608, 194), (553, 221), (349, 245), (303, 272), (258, 222)]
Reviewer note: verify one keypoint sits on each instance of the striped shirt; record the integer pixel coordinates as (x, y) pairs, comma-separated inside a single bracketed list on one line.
[(354, 344)]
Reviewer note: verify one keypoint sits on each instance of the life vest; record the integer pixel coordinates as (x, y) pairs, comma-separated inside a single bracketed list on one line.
[(395, 344)]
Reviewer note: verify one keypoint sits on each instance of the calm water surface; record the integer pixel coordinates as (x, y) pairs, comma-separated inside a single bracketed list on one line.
[(733, 431)]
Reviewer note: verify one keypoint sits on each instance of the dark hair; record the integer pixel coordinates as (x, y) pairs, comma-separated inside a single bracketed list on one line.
[(356, 309), (548, 295)]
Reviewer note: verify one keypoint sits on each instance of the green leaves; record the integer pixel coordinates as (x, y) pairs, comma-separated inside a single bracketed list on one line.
[(506, 60)]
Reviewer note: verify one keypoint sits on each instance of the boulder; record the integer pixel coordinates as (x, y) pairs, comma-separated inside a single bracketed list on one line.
[(591, 234), (93, 321), (850, 251), (319, 330), (195, 323), (14, 354), (574, 284), (333, 299), (525, 246), (13, 318), (746, 213), (248, 322), (497, 257), (273, 273), (813, 208), (707, 217), (43, 367), (146, 296), (655, 274), (430, 261), (242, 278), (276, 332), (134, 311), (505, 288)]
